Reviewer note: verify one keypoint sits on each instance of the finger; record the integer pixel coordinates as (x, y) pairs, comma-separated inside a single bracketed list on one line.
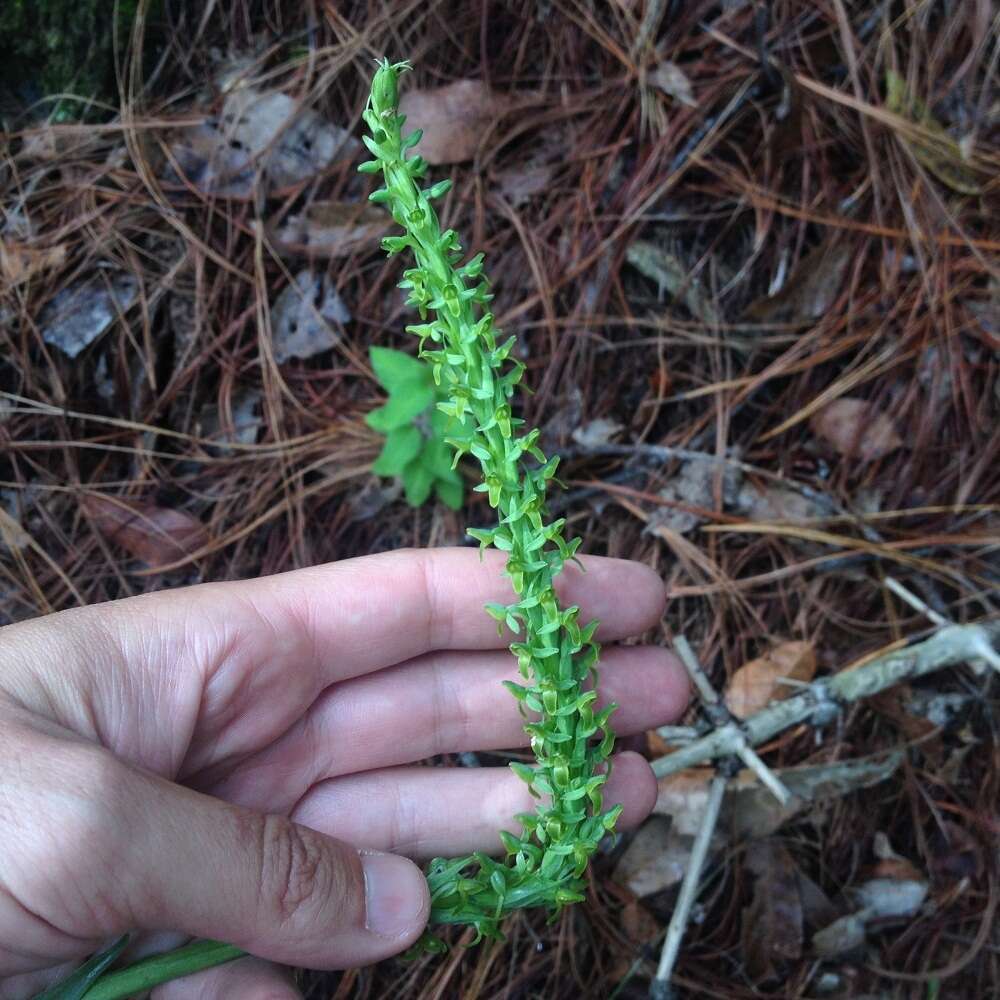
[(30, 984), (216, 653), (438, 703), (246, 978), (426, 812), (131, 851)]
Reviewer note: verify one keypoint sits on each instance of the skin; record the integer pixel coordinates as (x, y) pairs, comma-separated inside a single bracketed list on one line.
[(237, 761)]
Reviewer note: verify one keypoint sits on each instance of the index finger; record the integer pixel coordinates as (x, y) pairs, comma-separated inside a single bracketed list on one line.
[(379, 610)]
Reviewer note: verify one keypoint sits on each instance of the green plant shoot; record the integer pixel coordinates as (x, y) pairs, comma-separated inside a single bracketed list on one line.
[(545, 865), (414, 429)]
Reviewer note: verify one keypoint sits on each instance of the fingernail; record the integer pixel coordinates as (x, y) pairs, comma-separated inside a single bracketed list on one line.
[(396, 898)]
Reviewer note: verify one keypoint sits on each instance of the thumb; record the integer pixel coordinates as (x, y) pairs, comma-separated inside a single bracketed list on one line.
[(193, 863)]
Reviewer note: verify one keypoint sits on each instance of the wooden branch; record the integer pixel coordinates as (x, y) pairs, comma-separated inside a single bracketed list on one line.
[(820, 701)]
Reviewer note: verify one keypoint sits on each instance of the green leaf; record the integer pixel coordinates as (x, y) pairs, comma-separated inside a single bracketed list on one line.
[(417, 481), (76, 984), (406, 402), (401, 447), (450, 493), (397, 368)]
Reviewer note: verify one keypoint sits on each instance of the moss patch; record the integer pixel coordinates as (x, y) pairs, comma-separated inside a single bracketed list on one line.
[(60, 47)]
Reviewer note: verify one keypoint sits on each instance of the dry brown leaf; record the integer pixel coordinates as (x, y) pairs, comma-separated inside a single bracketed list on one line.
[(639, 924), (453, 118), (260, 137), (771, 502), (656, 858), (683, 797), (332, 229), (673, 276), (772, 923), (840, 937), (19, 262), (305, 317), (12, 535), (59, 142), (811, 289), (856, 428), (759, 682), (521, 184), (79, 313), (672, 80), (596, 432), (156, 535), (751, 810)]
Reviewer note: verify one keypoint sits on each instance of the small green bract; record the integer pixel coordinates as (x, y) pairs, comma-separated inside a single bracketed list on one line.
[(414, 429), (544, 865)]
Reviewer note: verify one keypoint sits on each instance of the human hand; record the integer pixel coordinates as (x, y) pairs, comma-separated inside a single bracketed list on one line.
[(230, 760)]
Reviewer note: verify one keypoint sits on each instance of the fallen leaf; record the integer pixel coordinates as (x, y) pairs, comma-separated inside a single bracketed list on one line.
[(684, 797), (672, 80), (19, 261), (809, 291), (236, 423), (78, 314), (856, 428), (596, 432), (817, 910), (890, 864), (156, 535), (656, 858), (639, 924), (521, 184), (373, 498), (59, 142), (896, 892), (452, 118), (302, 315), (750, 810), (932, 146), (332, 229), (890, 898), (772, 923), (842, 936), (259, 137), (673, 277), (694, 486), (12, 535), (758, 683), (772, 502)]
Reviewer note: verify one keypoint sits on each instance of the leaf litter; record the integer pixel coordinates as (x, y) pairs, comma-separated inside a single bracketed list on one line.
[(756, 191), (259, 138), (305, 317), (79, 313), (453, 118)]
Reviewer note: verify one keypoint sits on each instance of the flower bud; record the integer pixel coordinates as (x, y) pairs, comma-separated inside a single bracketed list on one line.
[(385, 92)]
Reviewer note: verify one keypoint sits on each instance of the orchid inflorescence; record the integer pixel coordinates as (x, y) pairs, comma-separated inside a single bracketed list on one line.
[(545, 866)]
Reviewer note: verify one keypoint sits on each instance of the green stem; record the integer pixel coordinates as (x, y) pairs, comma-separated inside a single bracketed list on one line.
[(156, 969)]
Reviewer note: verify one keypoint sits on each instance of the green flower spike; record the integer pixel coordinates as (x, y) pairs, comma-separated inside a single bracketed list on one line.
[(546, 864)]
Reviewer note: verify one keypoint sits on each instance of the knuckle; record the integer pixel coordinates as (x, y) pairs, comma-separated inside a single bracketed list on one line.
[(297, 874)]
